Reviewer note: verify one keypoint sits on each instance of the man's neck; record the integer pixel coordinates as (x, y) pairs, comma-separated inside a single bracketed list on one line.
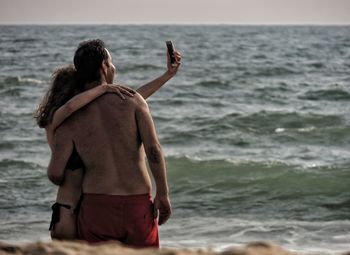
[(93, 84)]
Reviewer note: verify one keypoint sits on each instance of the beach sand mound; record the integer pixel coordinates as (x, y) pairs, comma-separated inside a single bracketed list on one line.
[(114, 248)]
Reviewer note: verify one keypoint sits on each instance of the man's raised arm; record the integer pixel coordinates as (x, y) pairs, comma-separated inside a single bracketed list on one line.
[(149, 88), (155, 159), (61, 151)]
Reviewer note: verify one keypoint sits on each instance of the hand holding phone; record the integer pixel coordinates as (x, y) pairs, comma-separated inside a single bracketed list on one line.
[(171, 49)]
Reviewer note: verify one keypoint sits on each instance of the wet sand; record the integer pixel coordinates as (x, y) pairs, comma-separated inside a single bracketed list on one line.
[(109, 248)]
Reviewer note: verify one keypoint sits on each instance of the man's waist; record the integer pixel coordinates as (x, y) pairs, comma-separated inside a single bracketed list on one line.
[(116, 199)]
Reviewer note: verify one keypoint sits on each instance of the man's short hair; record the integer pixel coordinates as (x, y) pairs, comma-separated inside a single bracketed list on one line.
[(88, 59)]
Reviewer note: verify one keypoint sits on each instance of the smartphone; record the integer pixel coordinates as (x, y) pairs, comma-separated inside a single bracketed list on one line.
[(170, 46)]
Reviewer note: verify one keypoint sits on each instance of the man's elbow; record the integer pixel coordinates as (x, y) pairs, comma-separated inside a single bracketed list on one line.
[(54, 178), (154, 153)]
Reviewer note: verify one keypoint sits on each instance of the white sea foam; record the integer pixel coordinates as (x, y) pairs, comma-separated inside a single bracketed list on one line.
[(30, 80)]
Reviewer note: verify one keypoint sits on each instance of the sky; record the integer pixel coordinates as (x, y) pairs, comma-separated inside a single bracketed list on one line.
[(331, 12)]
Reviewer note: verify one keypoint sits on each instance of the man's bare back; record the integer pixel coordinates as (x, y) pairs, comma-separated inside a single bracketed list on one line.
[(107, 138)]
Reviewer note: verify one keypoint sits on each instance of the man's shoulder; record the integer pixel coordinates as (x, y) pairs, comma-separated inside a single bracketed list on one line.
[(135, 101), (139, 100)]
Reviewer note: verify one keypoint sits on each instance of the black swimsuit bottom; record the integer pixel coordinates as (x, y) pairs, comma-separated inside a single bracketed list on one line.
[(56, 212)]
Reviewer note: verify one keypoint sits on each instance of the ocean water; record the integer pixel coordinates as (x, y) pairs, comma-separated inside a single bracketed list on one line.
[(255, 128)]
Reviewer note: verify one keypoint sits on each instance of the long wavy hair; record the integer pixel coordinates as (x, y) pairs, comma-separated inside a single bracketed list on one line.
[(69, 81), (63, 87)]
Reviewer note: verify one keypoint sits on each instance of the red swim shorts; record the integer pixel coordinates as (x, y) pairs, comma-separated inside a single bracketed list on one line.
[(128, 219)]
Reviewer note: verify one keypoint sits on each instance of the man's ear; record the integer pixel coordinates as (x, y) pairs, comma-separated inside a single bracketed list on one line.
[(104, 67)]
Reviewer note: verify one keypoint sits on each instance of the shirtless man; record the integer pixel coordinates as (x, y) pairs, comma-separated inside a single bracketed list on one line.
[(112, 135)]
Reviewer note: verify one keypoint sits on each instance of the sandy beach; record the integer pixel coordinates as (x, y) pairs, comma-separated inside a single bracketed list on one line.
[(75, 248), (109, 248)]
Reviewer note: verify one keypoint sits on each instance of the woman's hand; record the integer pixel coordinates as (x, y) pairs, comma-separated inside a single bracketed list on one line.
[(119, 90), (173, 68)]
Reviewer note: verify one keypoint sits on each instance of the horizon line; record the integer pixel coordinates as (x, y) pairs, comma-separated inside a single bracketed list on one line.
[(172, 24)]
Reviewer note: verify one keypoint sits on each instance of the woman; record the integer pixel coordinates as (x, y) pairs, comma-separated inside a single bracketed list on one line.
[(63, 99)]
